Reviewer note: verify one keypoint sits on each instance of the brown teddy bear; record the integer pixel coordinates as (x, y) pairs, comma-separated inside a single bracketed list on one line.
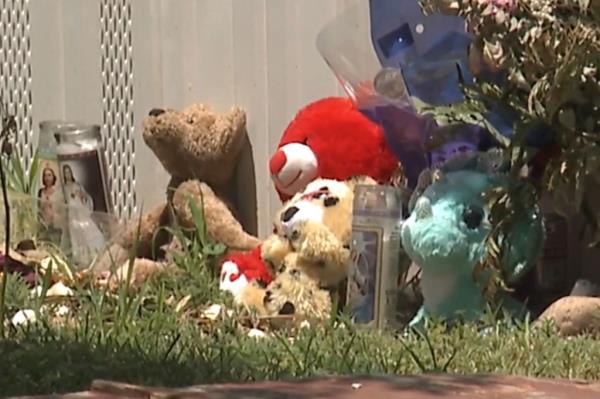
[(199, 149), (308, 253)]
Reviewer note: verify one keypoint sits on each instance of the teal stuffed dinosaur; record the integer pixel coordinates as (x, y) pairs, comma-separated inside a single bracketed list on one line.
[(445, 235)]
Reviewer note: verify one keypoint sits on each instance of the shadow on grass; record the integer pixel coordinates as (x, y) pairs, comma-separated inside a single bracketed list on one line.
[(61, 366)]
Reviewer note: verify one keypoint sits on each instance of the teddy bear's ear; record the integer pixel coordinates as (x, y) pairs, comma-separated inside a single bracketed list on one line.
[(237, 116)]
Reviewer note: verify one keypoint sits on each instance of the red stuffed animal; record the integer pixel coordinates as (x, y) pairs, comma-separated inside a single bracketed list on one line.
[(329, 138)]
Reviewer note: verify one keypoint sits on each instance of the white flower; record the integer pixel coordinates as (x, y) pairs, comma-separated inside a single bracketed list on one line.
[(256, 333)]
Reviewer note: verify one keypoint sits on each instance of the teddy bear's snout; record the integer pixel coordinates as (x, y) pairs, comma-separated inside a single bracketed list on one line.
[(288, 308), (289, 214), (267, 297), (156, 112)]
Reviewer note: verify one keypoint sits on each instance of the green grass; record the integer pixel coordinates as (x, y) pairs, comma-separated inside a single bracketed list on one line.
[(142, 338)]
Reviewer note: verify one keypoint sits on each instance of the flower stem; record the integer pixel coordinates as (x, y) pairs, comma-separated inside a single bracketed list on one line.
[(6, 248)]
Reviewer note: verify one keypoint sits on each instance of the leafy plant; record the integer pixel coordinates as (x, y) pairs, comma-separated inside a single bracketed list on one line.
[(22, 184), (538, 61), (210, 248), (22, 180), (196, 258)]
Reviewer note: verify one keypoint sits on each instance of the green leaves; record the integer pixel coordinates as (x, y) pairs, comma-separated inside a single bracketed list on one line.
[(19, 179), (550, 53), (8, 128), (210, 248)]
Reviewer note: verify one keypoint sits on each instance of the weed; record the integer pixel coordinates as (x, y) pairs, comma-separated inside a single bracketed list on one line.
[(8, 127)]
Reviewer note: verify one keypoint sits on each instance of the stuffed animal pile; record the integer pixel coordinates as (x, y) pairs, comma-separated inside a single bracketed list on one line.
[(307, 255), (298, 268), (330, 139)]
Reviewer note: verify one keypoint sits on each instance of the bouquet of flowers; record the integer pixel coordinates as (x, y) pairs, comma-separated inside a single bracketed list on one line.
[(540, 59), (527, 74)]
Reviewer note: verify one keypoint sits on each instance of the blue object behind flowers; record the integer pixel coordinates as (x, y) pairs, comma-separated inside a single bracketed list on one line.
[(431, 50)]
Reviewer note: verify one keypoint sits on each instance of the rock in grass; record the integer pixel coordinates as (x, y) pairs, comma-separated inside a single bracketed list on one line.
[(585, 287), (110, 259), (23, 317), (56, 290), (574, 315)]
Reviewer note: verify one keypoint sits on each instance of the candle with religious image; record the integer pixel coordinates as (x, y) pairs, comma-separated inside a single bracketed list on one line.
[(52, 214), (82, 170)]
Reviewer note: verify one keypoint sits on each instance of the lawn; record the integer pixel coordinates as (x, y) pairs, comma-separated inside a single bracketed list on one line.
[(155, 336)]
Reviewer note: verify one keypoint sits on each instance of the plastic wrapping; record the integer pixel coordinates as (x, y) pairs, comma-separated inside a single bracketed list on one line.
[(379, 264), (345, 44), (401, 54)]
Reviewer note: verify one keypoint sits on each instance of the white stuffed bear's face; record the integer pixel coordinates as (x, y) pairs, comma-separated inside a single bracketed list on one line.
[(312, 204)]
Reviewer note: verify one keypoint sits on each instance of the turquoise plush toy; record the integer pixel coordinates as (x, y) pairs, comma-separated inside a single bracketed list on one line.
[(445, 235)]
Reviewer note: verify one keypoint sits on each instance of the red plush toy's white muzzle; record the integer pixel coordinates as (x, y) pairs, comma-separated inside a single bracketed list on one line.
[(232, 280), (292, 167)]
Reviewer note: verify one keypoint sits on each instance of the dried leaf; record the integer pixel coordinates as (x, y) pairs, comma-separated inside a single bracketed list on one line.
[(212, 312), (182, 303)]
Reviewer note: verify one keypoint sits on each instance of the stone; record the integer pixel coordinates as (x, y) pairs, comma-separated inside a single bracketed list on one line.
[(427, 386), (111, 259), (143, 270), (585, 287), (574, 315)]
